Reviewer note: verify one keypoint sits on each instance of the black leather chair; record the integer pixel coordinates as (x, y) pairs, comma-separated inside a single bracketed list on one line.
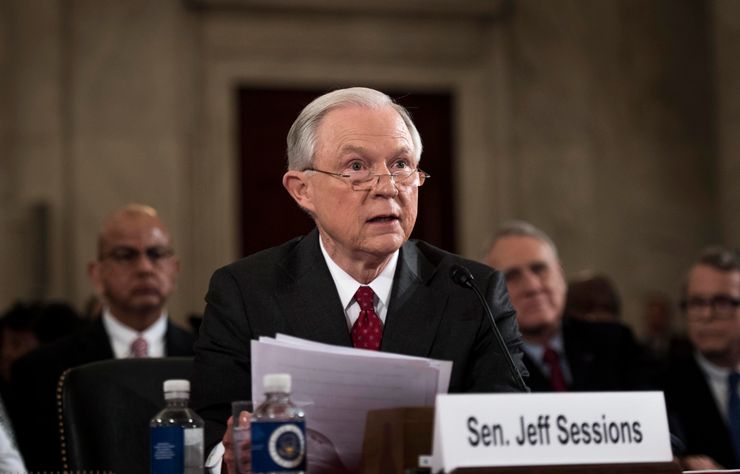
[(105, 408)]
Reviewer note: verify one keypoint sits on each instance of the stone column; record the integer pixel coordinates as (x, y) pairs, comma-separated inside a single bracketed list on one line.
[(726, 19)]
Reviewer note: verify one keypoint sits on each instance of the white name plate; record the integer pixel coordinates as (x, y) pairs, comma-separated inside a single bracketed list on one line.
[(533, 429)]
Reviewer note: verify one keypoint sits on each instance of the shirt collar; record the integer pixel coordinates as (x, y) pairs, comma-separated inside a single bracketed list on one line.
[(347, 286), (712, 370), (537, 351), (120, 334)]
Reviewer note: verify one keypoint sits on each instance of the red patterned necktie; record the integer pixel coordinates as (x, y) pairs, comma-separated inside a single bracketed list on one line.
[(368, 329), (139, 348), (557, 380)]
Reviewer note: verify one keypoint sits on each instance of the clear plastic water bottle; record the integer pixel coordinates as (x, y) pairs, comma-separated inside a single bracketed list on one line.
[(278, 430), (176, 433)]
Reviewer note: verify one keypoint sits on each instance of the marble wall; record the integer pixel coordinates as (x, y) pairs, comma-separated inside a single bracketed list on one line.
[(31, 166), (101, 113), (609, 124), (613, 133), (726, 37)]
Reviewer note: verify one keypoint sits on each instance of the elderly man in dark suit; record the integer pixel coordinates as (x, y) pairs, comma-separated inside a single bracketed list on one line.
[(703, 387), (134, 275), (353, 159), (561, 353)]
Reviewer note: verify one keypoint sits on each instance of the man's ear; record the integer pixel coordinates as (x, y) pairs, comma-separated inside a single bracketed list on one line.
[(562, 270), (299, 188)]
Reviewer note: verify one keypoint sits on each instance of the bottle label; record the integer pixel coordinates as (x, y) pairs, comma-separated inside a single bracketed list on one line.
[(278, 446), (167, 443), (193, 438)]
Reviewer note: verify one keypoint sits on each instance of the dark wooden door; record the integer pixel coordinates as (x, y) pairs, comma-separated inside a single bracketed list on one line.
[(269, 216)]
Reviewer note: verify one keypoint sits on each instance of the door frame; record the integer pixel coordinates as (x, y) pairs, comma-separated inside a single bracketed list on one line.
[(472, 68)]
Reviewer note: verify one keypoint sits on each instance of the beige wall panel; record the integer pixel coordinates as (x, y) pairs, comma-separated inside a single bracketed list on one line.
[(132, 118), (726, 20), (610, 136), (31, 159), (594, 120)]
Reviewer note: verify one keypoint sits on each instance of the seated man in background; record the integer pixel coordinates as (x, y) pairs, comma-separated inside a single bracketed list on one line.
[(593, 297), (26, 326), (560, 352), (353, 166), (134, 275), (702, 388), (661, 338)]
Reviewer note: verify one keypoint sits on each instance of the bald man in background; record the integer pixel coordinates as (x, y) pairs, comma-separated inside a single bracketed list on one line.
[(134, 275)]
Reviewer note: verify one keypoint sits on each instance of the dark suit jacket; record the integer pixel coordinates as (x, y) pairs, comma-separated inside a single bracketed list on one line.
[(601, 356), (289, 289), (694, 409), (34, 382)]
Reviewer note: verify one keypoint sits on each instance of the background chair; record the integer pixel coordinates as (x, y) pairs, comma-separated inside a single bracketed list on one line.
[(105, 408)]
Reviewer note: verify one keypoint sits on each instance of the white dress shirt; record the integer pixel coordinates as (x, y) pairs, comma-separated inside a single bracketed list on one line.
[(121, 336), (11, 460), (347, 287), (717, 379), (536, 352)]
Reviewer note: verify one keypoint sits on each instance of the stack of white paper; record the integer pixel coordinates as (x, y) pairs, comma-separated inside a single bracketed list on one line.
[(336, 386)]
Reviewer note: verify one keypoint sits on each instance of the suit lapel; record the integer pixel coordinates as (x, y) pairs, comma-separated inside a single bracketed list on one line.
[(581, 359), (415, 309), (313, 310), (308, 298), (177, 341), (536, 381), (701, 395), (94, 343)]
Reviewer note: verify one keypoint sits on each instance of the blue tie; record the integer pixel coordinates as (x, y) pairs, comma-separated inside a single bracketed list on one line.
[(734, 412)]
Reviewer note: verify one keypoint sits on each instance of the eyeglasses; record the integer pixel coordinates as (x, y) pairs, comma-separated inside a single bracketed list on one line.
[(723, 307), (130, 255), (365, 180)]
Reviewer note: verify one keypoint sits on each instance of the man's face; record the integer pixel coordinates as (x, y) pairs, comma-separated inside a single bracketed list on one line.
[(534, 279), (360, 225), (714, 329), (136, 270)]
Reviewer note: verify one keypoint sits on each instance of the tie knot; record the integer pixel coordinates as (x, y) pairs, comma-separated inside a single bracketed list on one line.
[(550, 356), (552, 360), (139, 347), (364, 297)]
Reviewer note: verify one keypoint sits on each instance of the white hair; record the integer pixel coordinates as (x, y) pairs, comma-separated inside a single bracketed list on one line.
[(523, 229), (302, 135)]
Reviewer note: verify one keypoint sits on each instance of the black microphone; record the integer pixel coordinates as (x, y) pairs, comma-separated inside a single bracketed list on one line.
[(462, 276)]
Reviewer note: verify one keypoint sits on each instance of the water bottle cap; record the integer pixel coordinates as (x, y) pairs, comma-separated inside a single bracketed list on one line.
[(176, 385), (276, 383)]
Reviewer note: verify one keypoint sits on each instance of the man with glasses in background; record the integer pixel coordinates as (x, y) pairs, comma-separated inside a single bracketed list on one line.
[(134, 275), (702, 387), (353, 166)]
